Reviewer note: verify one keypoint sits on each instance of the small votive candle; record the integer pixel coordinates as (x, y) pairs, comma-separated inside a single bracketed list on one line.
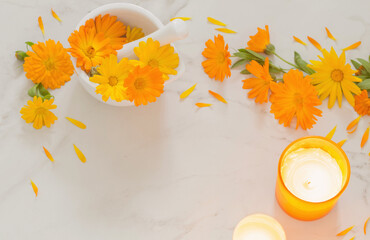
[(259, 227), (313, 172)]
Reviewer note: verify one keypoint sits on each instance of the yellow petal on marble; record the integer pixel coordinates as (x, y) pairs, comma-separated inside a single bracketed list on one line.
[(80, 155), (314, 42), (203, 105), (187, 92), (353, 238), (365, 137), (217, 96), (216, 22), (225, 30), (76, 123), (182, 18), (365, 225), (35, 188), (340, 143), (330, 35), (47, 153), (344, 232), (353, 46), (299, 41), (41, 25), (353, 124), (55, 15), (331, 133)]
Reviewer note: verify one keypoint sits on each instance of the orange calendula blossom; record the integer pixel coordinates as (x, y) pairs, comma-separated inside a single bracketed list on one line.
[(38, 112), (144, 85), (260, 41), (260, 84), (112, 29), (89, 47), (362, 103), (48, 64), (218, 61), (296, 97), (134, 33)]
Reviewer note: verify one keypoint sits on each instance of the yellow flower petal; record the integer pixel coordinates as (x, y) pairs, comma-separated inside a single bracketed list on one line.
[(41, 25), (344, 232), (299, 41), (76, 123), (182, 18), (216, 22), (217, 96), (331, 133), (340, 144), (55, 15), (187, 92), (329, 34), (314, 42), (34, 187), (47, 153), (203, 105), (353, 46), (365, 137), (365, 225), (353, 123), (225, 30), (353, 238), (80, 155)]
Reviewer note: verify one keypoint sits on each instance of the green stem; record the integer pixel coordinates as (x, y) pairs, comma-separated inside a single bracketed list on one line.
[(282, 59)]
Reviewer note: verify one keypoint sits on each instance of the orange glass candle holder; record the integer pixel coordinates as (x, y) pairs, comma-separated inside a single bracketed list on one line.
[(303, 209)]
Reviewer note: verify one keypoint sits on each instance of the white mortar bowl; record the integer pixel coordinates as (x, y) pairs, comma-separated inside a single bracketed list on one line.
[(132, 15)]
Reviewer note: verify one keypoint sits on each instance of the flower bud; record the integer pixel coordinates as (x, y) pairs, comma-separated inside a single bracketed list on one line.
[(270, 49), (20, 55)]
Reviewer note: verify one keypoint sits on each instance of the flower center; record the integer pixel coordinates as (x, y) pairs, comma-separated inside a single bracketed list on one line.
[(298, 100), (221, 57), (113, 81), (40, 111), (140, 83), (337, 75), (49, 64), (153, 63), (90, 52)]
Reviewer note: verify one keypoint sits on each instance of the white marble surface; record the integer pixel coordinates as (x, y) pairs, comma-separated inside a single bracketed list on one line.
[(169, 170)]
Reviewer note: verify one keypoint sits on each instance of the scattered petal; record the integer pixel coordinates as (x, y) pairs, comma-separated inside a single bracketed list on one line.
[(47, 153), (41, 25), (314, 42), (55, 15), (330, 35), (216, 22), (353, 238), (225, 30), (182, 18), (299, 41), (217, 96), (34, 187), (354, 130), (340, 144), (331, 133), (187, 92), (353, 124), (203, 105), (365, 225), (353, 46), (344, 232), (80, 155), (76, 123), (365, 137)]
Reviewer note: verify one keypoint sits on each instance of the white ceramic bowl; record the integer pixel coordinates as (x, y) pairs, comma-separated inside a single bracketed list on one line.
[(132, 15)]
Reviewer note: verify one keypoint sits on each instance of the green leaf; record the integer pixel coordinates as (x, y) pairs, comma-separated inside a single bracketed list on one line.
[(355, 64), (302, 64), (365, 84), (29, 44), (242, 50), (365, 64), (239, 63), (242, 55), (245, 71), (39, 91), (257, 55)]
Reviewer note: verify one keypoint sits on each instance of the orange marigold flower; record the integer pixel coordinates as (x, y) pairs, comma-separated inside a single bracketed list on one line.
[(49, 64), (260, 85), (218, 61), (296, 97), (112, 29), (89, 47), (260, 41), (362, 103), (144, 84)]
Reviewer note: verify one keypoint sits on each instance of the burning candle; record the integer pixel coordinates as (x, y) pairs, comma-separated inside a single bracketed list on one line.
[(259, 226), (313, 173)]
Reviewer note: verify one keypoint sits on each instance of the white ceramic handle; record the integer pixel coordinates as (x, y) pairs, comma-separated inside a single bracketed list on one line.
[(173, 31)]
